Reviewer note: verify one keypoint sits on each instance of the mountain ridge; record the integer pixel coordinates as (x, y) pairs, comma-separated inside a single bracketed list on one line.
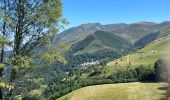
[(89, 28), (132, 33)]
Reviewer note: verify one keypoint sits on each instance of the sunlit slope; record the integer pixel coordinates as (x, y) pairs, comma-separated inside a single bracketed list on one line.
[(144, 57), (122, 91)]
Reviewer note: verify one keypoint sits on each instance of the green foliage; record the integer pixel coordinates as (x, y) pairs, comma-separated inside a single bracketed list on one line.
[(53, 56), (20, 62), (145, 73), (58, 87), (30, 98), (3, 40), (61, 88), (30, 25), (2, 66), (56, 53), (138, 74)]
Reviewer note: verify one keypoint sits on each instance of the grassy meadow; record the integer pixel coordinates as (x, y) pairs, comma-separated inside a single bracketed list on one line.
[(146, 56), (121, 91)]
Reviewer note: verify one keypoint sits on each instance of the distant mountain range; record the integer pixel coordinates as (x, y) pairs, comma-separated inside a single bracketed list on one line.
[(94, 38)]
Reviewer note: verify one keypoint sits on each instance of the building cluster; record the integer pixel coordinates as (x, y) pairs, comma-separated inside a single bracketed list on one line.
[(91, 63)]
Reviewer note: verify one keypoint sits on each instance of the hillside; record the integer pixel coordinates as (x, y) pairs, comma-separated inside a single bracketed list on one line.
[(146, 56), (93, 41), (122, 91), (136, 66), (101, 41)]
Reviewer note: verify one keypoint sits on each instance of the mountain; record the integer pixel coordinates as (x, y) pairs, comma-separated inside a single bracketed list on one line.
[(136, 31), (132, 31), (146, 40), (78, 33), (93, 37), (101, 41)]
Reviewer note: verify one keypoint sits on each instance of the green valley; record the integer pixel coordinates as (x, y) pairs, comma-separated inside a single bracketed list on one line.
[(84, 50), (143, 59)]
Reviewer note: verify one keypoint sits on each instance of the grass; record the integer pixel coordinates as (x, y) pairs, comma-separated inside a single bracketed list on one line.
[(127, 91), (145, 56), (121, 91)]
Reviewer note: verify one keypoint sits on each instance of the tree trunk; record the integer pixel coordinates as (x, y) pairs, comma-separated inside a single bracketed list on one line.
[(2, 51), (17, 41), (19, 27)]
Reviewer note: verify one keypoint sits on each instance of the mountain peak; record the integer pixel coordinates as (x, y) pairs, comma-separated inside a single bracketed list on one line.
[(90, 24), (146, 23)]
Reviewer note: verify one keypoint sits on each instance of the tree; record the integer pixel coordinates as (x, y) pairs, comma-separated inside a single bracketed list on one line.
[(30, 24), (3, 37)]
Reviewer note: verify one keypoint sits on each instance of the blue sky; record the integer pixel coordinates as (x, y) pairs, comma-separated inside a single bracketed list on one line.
[(115, 11)]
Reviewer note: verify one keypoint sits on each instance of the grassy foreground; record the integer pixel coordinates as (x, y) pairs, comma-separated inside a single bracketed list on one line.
[(121, 91)]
